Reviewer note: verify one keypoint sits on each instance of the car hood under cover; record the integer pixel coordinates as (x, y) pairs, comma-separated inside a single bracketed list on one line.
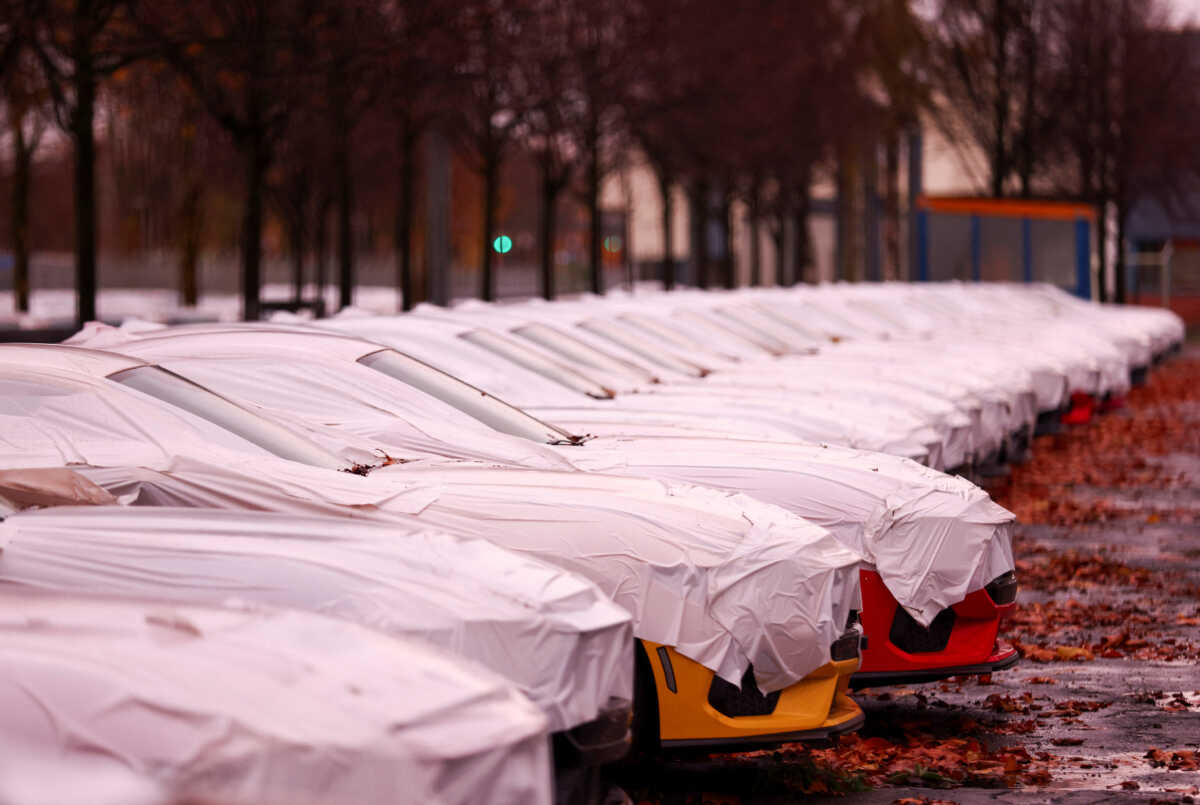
[(933, 537), (125, 701), (557, 637), (727, 580)]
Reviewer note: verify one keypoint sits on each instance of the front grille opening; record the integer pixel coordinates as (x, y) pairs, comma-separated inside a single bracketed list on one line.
[(908, 635), (749, 701), (847, 647), (1003, 589)]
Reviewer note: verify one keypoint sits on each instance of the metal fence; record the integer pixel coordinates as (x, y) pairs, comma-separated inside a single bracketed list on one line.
[(1006, 240)]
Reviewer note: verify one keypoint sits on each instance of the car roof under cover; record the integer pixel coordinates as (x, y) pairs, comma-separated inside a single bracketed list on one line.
[(217, 705), (48, 357), (231, 340), (522, 618)]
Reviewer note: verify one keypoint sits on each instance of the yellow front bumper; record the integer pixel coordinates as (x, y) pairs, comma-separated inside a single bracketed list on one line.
[(815, 708)]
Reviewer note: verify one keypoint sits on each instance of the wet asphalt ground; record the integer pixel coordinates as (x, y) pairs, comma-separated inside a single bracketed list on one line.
[(1114, 586)]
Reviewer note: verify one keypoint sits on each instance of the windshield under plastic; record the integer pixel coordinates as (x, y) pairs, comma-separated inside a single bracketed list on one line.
[(580, 351), (474, 402), (521, 355), (200, 401)]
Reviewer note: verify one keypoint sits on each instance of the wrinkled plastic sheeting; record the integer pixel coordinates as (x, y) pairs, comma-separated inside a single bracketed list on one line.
[(604, 420), (93, 423), (934, 538), (51, 420), (324, 388), (48, 486), (558, 638), (41, 775), (319, 395), (688, 588), (729, 465), (253, 707), (806, 419), (846, 505), (726, 580), (438, 347)]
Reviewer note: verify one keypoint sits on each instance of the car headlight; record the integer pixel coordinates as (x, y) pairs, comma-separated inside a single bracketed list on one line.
[(1003, 589)]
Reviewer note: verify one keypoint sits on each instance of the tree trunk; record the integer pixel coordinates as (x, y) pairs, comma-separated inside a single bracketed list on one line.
[(668, 230), (728, 272), (1029, 116), (595, 258), (754, 219), (296, 246), (192, 222), (257, 162), (82, 133), (779, 232), (699, 221), (321, 247), (345, 208), (779, 239), (891, 209), (547, 224), (23, 158), (1102, 248), (1000, 105), (491, 187), (801, 241), (871, 270), (847, 263), (1120, 289), (404, 216)]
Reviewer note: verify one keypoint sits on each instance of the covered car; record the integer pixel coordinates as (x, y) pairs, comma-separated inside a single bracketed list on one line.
[(433, 338), (128, 701), (723, 581), (932, 542), (687, 326), (557, 638)]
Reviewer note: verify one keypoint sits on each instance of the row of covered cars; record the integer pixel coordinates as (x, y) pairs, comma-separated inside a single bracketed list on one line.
[(471, 554)]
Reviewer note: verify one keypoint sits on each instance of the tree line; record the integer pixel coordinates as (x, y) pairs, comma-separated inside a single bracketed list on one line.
[(291, 101)]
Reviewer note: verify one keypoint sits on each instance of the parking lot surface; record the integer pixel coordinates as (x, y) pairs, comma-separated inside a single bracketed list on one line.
[(1105, 705)]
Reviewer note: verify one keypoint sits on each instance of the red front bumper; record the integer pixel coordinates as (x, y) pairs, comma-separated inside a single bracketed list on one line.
[(1082, 407), (962, 640)]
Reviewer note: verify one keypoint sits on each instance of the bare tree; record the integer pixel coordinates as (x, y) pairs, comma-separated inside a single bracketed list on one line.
[(895, 46), (243, 61), (417, 77), (1124, 101), (555, 112), (494, 91), (78, 45), (25, 102), (985, 59)]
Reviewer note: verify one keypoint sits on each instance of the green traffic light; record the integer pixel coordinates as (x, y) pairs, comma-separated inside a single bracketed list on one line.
[(502, 244)]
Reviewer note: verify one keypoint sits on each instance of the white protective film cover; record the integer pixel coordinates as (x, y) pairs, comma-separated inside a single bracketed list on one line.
[(933, 538), (846, 419), (808, 420), (690, 564), (52, 419), (756, 373), (120, 697), (726, 580), (313, 378), (554, 635)]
